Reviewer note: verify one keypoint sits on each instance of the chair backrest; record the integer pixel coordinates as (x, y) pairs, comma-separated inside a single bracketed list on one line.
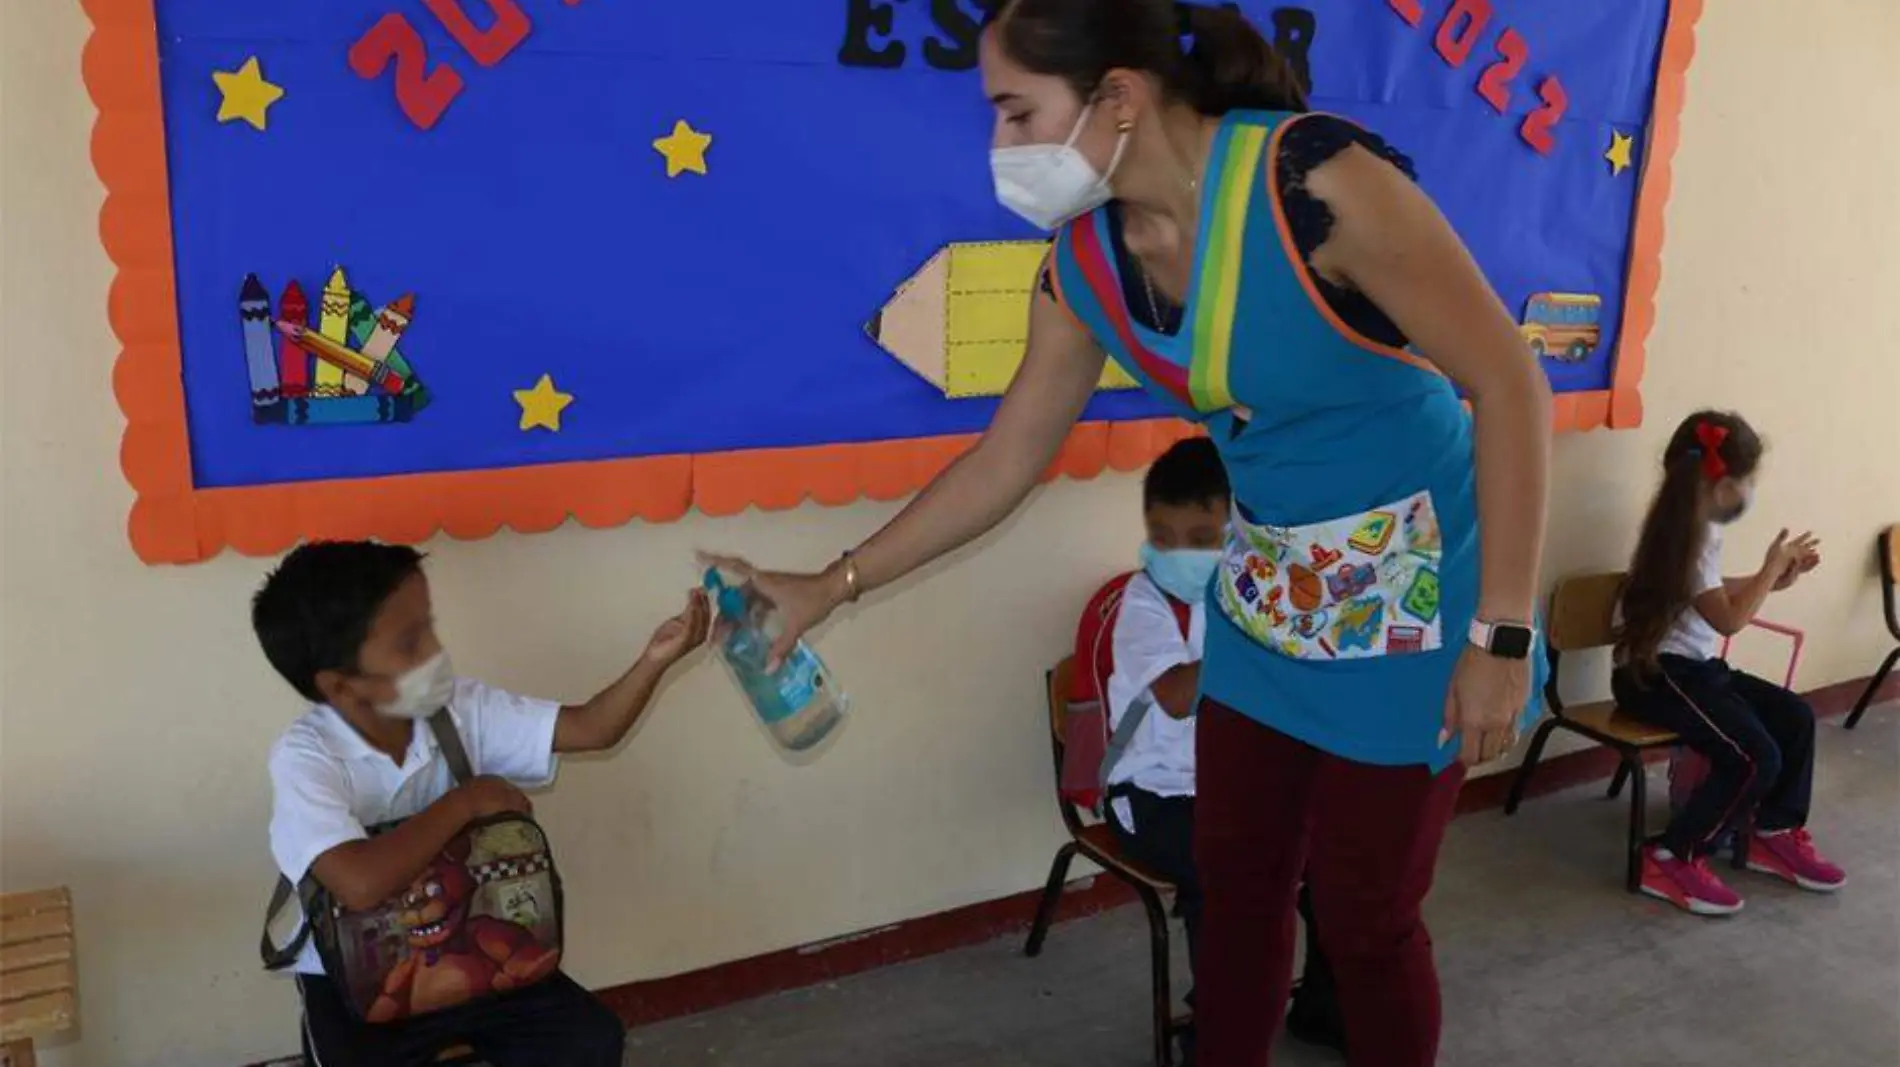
[(1889, 546), (1583, 612), (1060, 680), (1057, 686), (1582, 617)]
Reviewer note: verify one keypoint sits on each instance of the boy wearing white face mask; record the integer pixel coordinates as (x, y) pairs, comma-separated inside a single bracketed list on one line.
[(1185, 501), (349, 625)]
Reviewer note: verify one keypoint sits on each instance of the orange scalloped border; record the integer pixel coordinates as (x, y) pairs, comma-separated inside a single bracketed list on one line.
[(172, 521)]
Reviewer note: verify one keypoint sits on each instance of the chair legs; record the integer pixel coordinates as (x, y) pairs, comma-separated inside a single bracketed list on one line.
[(1873, 686), (1618, 779), (1051, 896), (1529, 765), (1632, 769), (1163, 997), (1157, 943)]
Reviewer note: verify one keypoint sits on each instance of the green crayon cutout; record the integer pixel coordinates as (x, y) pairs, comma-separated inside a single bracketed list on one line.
[(362, 324)]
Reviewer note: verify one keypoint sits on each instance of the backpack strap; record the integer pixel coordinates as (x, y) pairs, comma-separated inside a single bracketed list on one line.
[(449, 740), (276, 959), (1124, 734), (1183, 614)]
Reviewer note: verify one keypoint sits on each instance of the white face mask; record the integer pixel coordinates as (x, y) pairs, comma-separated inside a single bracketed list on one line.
[(1049, 184), (422, 690)]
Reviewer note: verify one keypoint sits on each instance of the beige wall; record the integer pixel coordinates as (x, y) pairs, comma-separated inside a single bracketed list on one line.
[(136, 712)]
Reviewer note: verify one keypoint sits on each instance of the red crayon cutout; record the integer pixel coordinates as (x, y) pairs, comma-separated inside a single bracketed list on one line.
[(293, 363)]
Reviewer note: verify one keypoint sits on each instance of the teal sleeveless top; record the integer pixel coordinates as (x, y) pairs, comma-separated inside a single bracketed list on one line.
[(1350, 576)]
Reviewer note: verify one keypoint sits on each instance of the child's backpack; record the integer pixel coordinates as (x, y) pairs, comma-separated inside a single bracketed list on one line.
[(483, 919), (1089, 750)]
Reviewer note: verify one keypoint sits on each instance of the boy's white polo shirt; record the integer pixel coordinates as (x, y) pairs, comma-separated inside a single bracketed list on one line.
[(328, 784), (1149, 643)]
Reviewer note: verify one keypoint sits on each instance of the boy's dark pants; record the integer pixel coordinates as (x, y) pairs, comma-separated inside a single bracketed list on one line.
[(555, 1023)]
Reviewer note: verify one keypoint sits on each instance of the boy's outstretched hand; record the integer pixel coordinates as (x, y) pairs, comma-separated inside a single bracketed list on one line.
[(682, 633)]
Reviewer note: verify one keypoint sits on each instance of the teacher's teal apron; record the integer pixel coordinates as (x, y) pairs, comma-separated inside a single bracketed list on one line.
[(1350, 576)]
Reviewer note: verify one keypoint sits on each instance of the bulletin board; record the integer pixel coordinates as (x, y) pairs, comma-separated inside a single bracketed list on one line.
[(389, 268)]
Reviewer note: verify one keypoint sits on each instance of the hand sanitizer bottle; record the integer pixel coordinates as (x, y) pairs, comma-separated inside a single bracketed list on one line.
[(800, 703)]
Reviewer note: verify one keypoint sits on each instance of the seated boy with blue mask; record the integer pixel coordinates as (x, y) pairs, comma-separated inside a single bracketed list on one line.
[(1157, 637)]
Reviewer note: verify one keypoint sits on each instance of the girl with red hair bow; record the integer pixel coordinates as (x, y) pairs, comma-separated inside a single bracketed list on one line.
[(1757, 737)]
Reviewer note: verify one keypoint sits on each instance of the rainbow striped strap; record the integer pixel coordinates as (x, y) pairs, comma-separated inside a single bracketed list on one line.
[(1234, 168)]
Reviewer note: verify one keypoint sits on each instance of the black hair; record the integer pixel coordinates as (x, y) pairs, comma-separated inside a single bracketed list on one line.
[(1189, 474), (1661, 583), (1225, 66), (313, 613)]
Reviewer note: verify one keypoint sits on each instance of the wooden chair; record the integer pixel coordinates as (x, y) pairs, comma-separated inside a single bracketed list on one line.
[(1581, 610), (1096, 840), (38, 983), (1889, 552)]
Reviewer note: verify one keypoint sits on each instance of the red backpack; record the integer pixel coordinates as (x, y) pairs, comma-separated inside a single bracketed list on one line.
[(1089, 749)]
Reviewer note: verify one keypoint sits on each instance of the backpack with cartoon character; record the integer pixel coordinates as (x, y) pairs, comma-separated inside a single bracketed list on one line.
[(483, 919)]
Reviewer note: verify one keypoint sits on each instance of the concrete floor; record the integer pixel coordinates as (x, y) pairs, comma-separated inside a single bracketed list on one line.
[(1545, 961)]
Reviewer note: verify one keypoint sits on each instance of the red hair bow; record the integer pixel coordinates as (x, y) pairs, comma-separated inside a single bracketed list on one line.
[(1710, 437)]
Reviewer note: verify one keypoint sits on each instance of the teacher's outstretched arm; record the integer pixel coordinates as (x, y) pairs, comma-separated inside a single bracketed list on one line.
[(1390, 242), (1059, 373)]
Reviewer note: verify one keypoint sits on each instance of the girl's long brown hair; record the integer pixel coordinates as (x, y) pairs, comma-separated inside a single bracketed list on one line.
[(1661, 584)]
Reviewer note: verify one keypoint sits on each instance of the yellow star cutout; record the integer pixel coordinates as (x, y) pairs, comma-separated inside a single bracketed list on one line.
[(684, 149), (246, 94), (542, 405), (1621, 146)]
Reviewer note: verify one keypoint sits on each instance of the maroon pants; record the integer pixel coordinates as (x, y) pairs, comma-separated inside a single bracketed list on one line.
[(1367, 837)]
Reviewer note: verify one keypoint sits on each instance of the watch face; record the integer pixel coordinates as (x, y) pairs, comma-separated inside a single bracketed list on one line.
[(1511, 642)]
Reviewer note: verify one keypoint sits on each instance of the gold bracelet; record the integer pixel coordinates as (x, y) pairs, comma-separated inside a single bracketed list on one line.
[(851, 588)]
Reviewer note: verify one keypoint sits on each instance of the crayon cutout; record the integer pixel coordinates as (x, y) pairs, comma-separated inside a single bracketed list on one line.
[(338, 410), (333, 322), (293, 363), (260, 357)]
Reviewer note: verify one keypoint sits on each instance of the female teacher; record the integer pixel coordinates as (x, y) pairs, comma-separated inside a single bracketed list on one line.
[(1279, 278)]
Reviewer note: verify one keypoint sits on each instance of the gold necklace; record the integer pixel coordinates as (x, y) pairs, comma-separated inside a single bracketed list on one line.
[(1154, 306)]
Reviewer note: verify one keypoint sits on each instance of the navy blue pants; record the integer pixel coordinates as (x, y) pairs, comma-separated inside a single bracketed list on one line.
[(1757, 737), (555, 1023)]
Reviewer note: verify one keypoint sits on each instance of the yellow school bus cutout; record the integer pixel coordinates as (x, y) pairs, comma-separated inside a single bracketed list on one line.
[(1563, 326)]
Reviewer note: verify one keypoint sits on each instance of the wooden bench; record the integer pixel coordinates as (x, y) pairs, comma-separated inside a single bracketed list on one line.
[(38, 986)]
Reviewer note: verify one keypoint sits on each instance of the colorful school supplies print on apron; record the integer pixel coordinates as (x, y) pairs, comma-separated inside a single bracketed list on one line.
[(1354, 587)]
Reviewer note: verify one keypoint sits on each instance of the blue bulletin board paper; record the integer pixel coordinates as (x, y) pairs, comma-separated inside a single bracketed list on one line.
[(538, 229)]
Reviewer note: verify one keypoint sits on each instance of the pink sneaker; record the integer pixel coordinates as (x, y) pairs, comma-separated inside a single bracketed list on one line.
[(1790, 856), (1691, 886)]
